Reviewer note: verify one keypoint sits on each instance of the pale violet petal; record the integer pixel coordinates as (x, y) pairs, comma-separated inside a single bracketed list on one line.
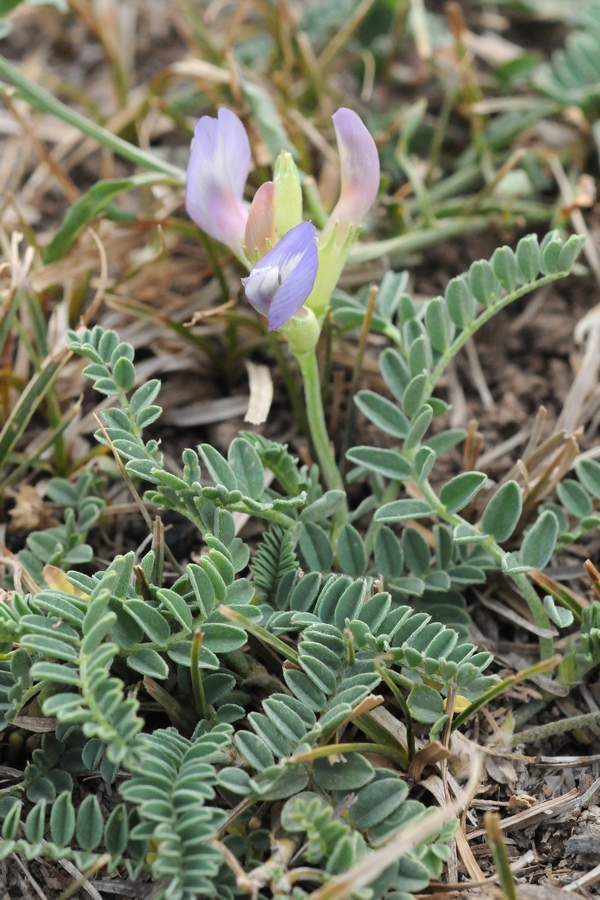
[(236, 149), (215, 181), (359, 172)]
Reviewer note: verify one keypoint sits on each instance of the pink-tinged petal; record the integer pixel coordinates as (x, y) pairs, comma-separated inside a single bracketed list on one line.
[(217, 173), (278, 286), (359, 171), (260, 227)]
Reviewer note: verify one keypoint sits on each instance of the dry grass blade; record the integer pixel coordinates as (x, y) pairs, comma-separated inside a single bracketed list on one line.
[(541, 812), (82, 880), (585, 881), (38, 890), (344, 34), (587, 331)]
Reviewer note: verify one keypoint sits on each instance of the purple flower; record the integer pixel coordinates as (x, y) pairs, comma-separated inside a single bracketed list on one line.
[(216, 176), (280, 283), (359, 165)]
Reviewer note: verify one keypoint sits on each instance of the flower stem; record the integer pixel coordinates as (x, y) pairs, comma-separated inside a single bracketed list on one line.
[(316, 420)]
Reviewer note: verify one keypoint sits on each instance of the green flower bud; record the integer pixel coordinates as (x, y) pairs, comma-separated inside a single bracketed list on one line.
[(288, 194)]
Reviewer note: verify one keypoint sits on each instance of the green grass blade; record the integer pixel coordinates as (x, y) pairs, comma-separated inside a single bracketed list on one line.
[(29, 401), (39, 98)]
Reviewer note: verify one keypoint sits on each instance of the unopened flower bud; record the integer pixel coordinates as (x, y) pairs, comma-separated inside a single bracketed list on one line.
[(288, 194)]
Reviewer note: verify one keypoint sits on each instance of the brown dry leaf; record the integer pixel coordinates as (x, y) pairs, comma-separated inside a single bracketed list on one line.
[(200, 68), (501, 771), (521, 801), (429, 755), (30, 513), (36, 724), (462, 755), (585, 191)]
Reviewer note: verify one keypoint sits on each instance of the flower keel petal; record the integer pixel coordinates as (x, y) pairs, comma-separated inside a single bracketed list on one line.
[(278, 286)]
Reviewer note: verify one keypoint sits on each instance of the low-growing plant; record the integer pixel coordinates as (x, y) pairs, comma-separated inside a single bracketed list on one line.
[(276, 773)]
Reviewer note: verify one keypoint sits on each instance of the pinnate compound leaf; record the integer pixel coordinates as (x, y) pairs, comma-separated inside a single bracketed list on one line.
[(460, 302), (351, 551), (540, 541), (528, 258), (502, 513), (218, 467), (459, 491), (382, 413), (90, 824), (440, 327), (504, 263), (247, 468), (149, 620), (148, 662), (414, 395), (382, 462), (588, 472), (401, 510), (316, 548), (425, 704), (62, 819), (557, 614), (349, 775)]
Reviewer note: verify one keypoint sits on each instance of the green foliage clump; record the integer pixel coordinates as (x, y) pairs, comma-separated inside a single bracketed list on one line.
[(344, 611)]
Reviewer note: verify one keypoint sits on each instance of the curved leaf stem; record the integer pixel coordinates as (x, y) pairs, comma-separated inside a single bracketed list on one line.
[(488, 313)]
